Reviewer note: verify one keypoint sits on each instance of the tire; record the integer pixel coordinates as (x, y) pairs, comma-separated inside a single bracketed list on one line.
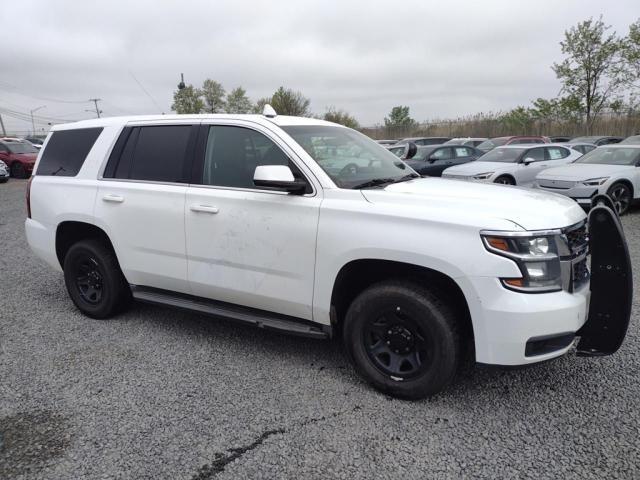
[(402, 339), (94, 280), (621, 195), (17, 170), (4, 180), (505, 180)]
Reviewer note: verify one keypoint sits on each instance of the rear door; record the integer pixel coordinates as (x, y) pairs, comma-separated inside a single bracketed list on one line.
[(248, 245), (141, 199)]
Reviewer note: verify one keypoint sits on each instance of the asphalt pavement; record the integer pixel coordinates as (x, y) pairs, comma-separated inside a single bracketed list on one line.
[(158, 393)]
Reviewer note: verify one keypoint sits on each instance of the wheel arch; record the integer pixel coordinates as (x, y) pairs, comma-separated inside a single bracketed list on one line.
[(357, 275), (70, 231), (509, 175), (626, 182)]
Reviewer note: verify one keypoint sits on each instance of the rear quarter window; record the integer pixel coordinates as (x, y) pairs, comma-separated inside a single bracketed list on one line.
[(66, 151)]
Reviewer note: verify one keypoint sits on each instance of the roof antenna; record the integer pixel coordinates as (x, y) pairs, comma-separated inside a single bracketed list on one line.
[(268, 111)]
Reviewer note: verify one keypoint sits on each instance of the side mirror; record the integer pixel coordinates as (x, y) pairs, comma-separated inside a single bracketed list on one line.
[(278, 177), (412, 149), (528, 160)]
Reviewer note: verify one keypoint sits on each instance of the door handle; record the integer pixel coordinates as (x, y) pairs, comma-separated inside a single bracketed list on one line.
[(110, 197), (204, 208)]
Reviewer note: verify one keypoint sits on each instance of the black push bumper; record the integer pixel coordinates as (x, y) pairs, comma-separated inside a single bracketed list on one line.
[(611, 284)]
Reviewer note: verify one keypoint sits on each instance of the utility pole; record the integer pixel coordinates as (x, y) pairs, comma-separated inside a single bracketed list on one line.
[(95, 101), (33, 125), (4, 132)]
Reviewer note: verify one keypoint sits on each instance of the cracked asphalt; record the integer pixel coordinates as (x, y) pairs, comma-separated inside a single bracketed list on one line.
[(158, 393)]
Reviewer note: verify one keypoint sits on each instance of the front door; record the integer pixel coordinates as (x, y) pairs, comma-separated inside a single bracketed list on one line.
[(246, 245)]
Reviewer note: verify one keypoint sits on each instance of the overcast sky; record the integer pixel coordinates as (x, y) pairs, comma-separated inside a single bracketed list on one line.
[(443, 59)]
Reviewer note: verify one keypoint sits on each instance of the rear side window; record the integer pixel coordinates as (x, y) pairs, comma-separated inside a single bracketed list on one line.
[(160, 153), (66, 151), (557, 153)]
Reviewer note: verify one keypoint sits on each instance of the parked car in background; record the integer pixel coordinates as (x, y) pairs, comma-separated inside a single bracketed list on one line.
[(19, 156), (4, 172), (597, 140), (611, 169), (492, 143), (431, 160), (398, 150), (513, 164), (424, 140), (386, 142), (581, 147), (473, 142), (35, 141), (560, 139), (632, 140)]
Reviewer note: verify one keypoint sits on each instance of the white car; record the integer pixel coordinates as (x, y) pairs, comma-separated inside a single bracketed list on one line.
[(513, 164), (308, 227), (4, 172), (611, 169)]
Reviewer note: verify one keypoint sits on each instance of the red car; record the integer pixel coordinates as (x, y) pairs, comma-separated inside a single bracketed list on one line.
[(19, 157), (501, 141)]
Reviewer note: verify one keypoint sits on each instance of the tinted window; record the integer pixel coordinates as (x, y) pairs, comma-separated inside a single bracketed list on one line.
[(536, 153), (463, 152), (556, 153), (233, 153), (612, 156), (504, 154), (3, 148), (441, 154), (66, 151), (156, 153)]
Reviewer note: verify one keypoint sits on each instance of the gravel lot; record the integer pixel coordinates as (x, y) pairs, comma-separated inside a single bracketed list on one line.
[(158, 393)]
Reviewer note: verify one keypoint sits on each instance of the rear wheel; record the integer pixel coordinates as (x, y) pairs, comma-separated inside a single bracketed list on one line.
[(94, 280), (17, 170), (620, 194), (505, 180), (402, 339)]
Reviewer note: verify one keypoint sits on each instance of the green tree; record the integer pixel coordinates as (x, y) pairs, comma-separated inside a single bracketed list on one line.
[(288, 102), (187, 100), (519, 120), (213, 93), (399, 118), (632, 49), (341, 117), (594, 69), (238, 102)]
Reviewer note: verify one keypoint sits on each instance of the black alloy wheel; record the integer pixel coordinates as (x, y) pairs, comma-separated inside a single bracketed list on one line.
[(620, 194), (89, 280), (396, 343), (505, 180)]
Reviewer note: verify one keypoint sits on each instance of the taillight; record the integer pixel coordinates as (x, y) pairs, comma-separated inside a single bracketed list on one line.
[(28, 195)]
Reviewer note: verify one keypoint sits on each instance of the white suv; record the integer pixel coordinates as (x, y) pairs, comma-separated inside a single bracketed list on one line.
[(308, 227)]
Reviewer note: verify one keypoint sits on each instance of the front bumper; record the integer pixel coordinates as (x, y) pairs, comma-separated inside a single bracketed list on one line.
[(504, 321), (578, 192)]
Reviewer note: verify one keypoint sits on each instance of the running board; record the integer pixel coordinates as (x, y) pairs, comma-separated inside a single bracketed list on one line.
[(258, 318)]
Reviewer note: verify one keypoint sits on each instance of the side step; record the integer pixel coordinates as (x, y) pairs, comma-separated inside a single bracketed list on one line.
[(259, 318)]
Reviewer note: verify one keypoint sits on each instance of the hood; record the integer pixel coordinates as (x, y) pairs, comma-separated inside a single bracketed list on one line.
[(486, 205), (583, 171), (25, 157), (474, 168)]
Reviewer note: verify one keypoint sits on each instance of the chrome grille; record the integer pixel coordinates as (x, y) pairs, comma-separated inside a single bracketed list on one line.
[(577, 239), (580, 273)]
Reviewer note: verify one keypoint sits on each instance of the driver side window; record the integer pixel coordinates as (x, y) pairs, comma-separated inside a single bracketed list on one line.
[(441, 154), (537, 154), (233, 153)]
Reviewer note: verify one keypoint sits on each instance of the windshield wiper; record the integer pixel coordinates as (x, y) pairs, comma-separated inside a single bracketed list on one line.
[(377, 182)]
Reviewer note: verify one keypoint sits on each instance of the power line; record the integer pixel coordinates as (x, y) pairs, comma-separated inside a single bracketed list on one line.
[(145, 91), (39, 97)]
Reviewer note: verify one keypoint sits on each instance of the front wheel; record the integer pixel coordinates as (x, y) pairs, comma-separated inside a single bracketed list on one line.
[(620, 194), (94, 280), (17, 170), (505, 180), (402, 339)]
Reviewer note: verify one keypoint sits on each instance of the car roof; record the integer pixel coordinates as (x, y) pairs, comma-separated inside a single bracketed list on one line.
[(280, 120)]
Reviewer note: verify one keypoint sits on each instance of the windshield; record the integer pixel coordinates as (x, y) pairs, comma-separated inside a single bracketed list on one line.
[(493, 143), (348, 157), (634, 140), (506, 155), (455, 141), (612, 156), (21, 148)]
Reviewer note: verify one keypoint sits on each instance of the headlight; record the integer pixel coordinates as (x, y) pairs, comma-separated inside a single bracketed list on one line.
[(592, 182), (482, 176), (536, 254)]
